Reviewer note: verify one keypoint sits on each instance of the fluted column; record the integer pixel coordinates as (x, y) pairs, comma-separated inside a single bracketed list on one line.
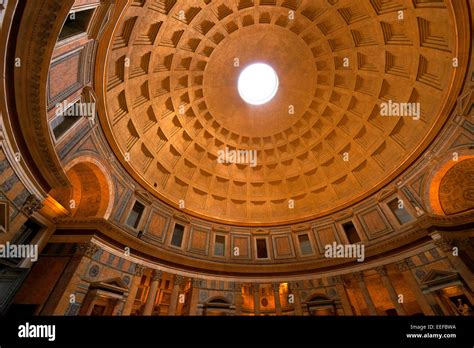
[(256, 299), (446, 246), (178, 282), (150, 300), (132, 294), (195, 297), (341, 291), (276, 294), (359, 276), (294, 290), (382, 271), (421, 299), (238, 298)]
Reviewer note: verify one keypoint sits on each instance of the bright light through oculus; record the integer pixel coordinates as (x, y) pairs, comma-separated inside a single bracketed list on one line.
[(258, 84)]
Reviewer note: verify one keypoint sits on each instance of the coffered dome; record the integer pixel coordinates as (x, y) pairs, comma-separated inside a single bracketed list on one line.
[(236, 157), (172, 100)]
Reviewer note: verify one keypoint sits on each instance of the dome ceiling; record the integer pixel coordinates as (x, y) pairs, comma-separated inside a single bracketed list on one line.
[(172, 101)]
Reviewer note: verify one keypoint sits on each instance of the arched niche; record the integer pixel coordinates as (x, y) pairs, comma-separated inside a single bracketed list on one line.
[(451, 189), (91, 190)]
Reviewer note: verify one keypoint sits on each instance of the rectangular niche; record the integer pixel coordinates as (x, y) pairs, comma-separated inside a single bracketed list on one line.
[(351, 232), (305, 244), (400, 212), (135, 215), (66, 76), (62, 123), (178, 234), (219, 245), (76, 24), (262, 249)]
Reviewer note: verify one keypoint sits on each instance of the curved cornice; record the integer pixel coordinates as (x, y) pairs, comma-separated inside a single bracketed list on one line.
[(414, 235), (40, 27)]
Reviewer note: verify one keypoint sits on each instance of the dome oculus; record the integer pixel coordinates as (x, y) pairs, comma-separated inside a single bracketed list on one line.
[(258, 84)]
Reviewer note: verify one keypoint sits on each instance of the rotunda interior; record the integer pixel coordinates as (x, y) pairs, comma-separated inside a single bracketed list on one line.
[(237, 157)]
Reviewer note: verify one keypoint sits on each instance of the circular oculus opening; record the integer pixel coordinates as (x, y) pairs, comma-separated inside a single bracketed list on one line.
[(258, 84)]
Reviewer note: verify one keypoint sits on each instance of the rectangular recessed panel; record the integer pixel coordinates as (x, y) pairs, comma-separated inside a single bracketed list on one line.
[(156, 226), (199, 241), (240, 248), (374, 222), (283, 246), (326, 236), (4, 216), (65, 77)]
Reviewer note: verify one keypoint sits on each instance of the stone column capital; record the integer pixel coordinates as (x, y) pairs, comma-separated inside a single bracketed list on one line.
[(403, 265), (31, 205), (381, 270), (255, 288), (441, 242), (197, 283), (359, 276), (461, 242), (340, 279), (444, 244), (139, 270), (179, 280), (87, 249), (156, 274), (295, 285)]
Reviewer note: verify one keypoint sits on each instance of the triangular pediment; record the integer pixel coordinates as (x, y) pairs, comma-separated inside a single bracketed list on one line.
[(115, 284), (465, 102), (182, 217), (385, 192), (144, 195), (417, 184), (299, 228), (435, 275)]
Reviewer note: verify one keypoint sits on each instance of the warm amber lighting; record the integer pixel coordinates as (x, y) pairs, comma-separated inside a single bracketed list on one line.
[(436, 181), (283, 288), (451, 291)]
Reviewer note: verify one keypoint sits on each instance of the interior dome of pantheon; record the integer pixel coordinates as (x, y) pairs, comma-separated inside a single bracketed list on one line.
[(352, 128), (177, 104)]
